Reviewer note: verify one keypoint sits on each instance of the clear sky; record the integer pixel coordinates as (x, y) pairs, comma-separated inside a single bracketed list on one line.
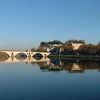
[(25, 23)]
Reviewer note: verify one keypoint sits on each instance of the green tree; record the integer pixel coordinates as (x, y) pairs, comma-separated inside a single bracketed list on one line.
[(50, 42)]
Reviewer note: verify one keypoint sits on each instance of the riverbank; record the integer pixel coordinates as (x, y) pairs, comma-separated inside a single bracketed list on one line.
[(75, 56)]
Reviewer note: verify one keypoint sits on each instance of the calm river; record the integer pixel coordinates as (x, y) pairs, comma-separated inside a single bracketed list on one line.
[(57, 79)]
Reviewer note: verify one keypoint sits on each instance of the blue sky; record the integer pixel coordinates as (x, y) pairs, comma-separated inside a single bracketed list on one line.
[(25, 23)]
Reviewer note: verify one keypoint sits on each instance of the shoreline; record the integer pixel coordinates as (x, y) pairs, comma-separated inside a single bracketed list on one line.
[(75, 56)]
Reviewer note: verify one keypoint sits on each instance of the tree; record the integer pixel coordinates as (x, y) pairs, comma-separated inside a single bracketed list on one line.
[(41, 50), (83, 49), (55, 42), (33, 50), (98, 52), (50, 42), (88, 49), (43, 43), (75, 41)]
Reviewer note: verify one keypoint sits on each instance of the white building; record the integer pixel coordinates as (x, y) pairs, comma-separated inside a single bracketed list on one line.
[(76, 45)]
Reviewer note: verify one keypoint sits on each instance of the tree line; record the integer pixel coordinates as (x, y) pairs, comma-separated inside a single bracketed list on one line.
[(67, 48)]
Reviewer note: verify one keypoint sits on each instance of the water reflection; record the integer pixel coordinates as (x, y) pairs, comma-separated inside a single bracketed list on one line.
[(24, 59), (36, 79), (70, 65)]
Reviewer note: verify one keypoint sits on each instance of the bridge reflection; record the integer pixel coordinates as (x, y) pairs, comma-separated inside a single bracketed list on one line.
[(57, 65), (26, 60)]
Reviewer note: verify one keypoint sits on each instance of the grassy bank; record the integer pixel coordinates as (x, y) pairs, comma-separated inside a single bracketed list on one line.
[(75, 56)]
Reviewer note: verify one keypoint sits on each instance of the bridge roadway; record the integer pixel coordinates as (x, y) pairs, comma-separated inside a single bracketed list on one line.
[(27, 53)]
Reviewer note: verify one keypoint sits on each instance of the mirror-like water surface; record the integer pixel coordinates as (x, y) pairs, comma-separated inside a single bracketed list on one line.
[(55, 79)]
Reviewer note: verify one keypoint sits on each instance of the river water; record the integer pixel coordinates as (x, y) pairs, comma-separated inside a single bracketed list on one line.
[(57, 79)]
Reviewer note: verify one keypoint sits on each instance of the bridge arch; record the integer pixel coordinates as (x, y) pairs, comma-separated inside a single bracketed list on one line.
[(37, 56), (31, 54), (43, 54), (4, 56), (21, 56), (9, 54)]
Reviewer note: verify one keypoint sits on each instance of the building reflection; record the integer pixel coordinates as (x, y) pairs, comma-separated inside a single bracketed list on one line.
[(69, 65)]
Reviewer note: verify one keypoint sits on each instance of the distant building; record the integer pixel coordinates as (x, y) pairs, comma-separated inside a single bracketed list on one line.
[(56, 45), (50, 47), (76, 45)]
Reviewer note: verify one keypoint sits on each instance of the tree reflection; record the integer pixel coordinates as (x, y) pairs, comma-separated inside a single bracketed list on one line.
[(70, 65)]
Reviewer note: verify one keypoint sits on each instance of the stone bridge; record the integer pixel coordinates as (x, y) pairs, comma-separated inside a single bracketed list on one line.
[(27, 53)]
